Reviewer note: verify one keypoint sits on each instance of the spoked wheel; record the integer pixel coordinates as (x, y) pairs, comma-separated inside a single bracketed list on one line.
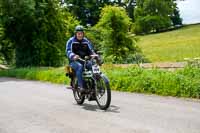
[(103, 93), (77, 95)]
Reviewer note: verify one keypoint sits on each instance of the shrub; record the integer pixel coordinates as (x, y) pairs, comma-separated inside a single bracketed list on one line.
[(181, 83), (114, 25), (38, 29)]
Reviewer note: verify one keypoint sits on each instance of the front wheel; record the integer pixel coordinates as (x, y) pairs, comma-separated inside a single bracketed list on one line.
[(77, 95), (103, 92)]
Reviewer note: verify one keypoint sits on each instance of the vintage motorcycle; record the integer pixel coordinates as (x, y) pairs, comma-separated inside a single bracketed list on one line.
[(96, 84)]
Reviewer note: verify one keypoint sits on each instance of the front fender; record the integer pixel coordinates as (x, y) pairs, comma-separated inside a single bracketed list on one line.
[(105, 78)]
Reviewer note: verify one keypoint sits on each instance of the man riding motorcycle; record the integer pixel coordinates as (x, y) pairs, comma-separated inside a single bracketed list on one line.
[(77, 47)]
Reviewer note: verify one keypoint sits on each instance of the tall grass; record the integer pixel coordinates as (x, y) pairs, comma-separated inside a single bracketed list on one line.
[(173, 45), (180, 83), (54, 75)]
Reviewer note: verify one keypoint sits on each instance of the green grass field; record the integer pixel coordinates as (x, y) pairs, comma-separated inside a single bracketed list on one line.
[(172, 46)]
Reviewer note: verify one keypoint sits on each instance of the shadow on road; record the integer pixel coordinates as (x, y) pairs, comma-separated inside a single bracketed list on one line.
[(112, 108)]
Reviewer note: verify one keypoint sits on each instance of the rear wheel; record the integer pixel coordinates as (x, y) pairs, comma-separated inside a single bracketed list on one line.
[(103, 93), (77, 95)]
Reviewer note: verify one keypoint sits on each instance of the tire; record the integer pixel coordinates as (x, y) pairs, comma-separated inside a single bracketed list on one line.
[(102, 90), (77, 95)]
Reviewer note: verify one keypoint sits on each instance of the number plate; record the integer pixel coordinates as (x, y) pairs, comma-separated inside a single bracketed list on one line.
[(95, 69)]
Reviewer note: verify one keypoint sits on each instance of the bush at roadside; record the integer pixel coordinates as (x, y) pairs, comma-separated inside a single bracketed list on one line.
[(180, 83)]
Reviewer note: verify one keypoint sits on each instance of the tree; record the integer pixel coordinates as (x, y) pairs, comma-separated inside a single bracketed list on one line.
[(6, 48), (153, 15), (87, 11), (175, 17), (18, 18), (38, 30), (131, 8), (128, 5), (116, 42)]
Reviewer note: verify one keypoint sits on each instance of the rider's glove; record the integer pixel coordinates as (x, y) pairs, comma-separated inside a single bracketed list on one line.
[(76, 57)]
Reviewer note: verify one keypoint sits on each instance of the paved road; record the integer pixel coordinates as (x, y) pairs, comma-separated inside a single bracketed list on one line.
[(35, 107)]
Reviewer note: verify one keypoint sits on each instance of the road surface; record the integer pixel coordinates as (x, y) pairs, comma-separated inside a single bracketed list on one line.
[(36, 107)]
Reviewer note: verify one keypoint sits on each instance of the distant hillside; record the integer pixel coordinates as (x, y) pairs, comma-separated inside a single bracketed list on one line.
[(173, 45)]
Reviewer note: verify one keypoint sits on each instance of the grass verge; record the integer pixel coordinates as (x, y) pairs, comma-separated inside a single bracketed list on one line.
[(180, 83), (53, 75)]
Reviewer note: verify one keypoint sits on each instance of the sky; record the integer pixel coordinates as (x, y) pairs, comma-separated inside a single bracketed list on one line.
[(190, 11)]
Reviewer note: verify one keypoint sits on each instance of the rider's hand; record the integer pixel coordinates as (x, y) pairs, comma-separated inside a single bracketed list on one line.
[(76, 57)]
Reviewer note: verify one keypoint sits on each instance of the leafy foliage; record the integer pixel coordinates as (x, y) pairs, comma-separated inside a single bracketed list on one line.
[(116, 42), (43, 74), (34, 31), (86, 11), (38, 30), (175, 17), (95, 37), (6, 49), (155, 15), (181, 83)]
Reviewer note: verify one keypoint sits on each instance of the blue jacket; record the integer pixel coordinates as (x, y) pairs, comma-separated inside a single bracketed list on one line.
[(75, 47)]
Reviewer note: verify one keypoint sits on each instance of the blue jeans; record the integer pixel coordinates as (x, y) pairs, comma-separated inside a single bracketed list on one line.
[(78, 67)]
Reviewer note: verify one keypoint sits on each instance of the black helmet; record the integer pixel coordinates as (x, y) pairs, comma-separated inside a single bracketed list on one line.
[(79, 28)]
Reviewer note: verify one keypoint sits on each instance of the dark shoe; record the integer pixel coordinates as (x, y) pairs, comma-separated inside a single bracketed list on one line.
[(82, 90), (69, 87), (92, 98)]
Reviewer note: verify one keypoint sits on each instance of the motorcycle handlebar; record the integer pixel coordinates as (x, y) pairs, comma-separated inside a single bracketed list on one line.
[(81, 59), (87, 57)]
